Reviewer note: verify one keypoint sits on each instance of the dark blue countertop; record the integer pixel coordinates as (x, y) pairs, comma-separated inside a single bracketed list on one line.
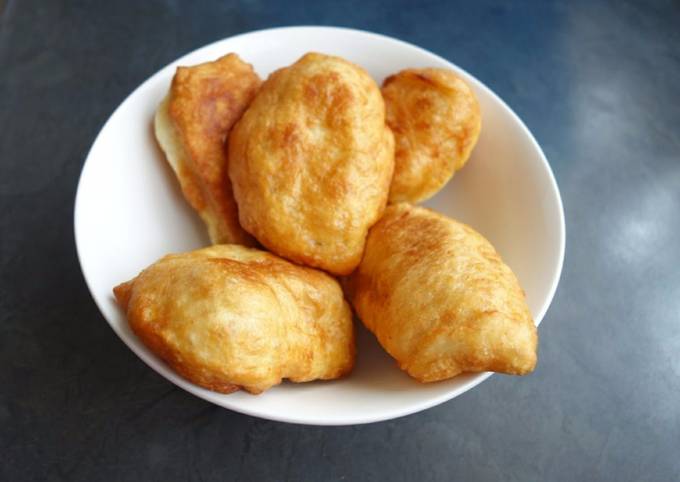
[(598, 83)]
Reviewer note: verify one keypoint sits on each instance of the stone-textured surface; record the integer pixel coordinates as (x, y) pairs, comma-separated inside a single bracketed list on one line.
[(597, 82)]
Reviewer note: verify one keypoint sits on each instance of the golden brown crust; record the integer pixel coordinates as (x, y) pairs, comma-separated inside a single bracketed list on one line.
[(192, 125), (436, 121), (229, 317), (439, 298), (122, 293), (311, 162)]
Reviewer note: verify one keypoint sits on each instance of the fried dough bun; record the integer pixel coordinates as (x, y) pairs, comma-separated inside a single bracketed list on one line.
[(439, 298), (311, 162), (228, 317), (436, 121), (191, 126)]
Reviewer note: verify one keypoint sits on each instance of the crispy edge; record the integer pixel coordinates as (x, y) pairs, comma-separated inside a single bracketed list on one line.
[(212, 198)]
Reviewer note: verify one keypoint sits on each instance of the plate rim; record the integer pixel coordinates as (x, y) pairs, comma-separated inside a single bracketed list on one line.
[(195, 390)]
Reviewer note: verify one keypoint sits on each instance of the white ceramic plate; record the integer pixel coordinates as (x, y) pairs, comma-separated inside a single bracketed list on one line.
[(129, 212)]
